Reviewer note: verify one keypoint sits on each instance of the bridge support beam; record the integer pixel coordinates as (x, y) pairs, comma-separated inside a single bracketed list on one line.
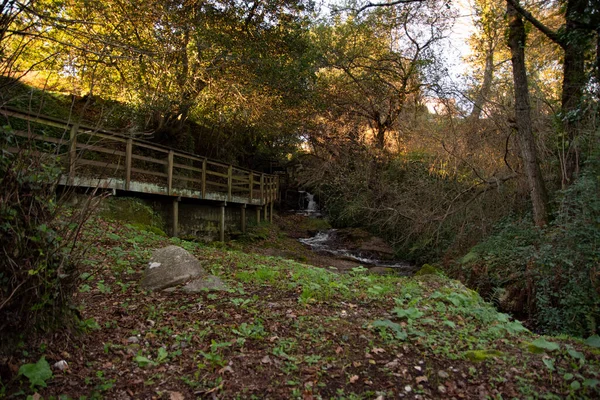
[(271, 212), (222, 223), (266, 213), (257, 215), (175, 217), (243, 218), (72, 152)]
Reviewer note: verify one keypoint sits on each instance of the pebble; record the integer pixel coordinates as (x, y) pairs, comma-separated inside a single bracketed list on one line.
[(441, 389), (408, 388), (62, 365), (133, 339), (266, 360), (443, 374)]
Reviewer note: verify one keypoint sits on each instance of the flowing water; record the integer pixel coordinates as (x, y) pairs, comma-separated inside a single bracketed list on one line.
[(307, 205), (312, 205), (325, 242)]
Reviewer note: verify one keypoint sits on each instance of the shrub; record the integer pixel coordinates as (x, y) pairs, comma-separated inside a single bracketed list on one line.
[(550, 275), (38, 260), (425, 214)]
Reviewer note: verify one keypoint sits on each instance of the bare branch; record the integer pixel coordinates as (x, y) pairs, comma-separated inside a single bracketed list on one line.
[(388, 4), (539, 25)]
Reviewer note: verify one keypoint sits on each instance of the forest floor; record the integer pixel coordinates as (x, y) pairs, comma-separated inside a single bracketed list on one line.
[(288, 330)]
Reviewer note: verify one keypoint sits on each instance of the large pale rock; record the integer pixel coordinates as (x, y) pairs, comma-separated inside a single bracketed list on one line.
[(172, 266)]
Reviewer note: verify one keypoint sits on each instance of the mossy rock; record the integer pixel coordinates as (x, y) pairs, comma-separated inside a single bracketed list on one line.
[(131, 210), (147, 228), (428, 269), (481, 355)]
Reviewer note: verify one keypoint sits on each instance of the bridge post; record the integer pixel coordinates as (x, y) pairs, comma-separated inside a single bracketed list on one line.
[(243, 218), (204, 178), (262, 189), (229, 181), (251, 186), (170, 173), (73, 151), (222, 223), (258, 215), (128, 155), (271, 212), (175, 217), (273, 189), (271, 185), (266, 214)]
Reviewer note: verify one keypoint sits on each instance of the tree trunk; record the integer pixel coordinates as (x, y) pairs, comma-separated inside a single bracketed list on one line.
[(537, 190), (380, 137), (598, 62), (380, 127), (484, 92), (574, 81), (574, 39)]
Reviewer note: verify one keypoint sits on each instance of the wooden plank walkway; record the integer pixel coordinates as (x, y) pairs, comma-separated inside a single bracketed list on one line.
[(93, 158)]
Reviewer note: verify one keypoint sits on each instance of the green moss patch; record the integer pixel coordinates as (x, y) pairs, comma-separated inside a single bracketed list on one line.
[(133, 211), (481, 355), (428, 269)]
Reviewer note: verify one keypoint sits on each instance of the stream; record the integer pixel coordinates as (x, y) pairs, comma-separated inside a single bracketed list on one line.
[(327, 242), (366, 250)]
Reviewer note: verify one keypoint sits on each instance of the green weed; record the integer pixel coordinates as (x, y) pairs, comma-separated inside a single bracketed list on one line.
[(37, 373)]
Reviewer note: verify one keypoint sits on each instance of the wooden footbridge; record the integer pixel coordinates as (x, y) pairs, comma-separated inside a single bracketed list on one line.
[(97, 158)]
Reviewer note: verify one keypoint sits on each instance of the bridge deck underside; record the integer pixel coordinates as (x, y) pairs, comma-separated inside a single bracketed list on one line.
[(152, 188)]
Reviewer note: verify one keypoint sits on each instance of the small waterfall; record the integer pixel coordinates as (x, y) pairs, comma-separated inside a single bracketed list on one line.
[(312, 205), (307, 204)]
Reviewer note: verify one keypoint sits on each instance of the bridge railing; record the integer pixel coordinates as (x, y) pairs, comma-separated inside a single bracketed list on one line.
[(88, 154)]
